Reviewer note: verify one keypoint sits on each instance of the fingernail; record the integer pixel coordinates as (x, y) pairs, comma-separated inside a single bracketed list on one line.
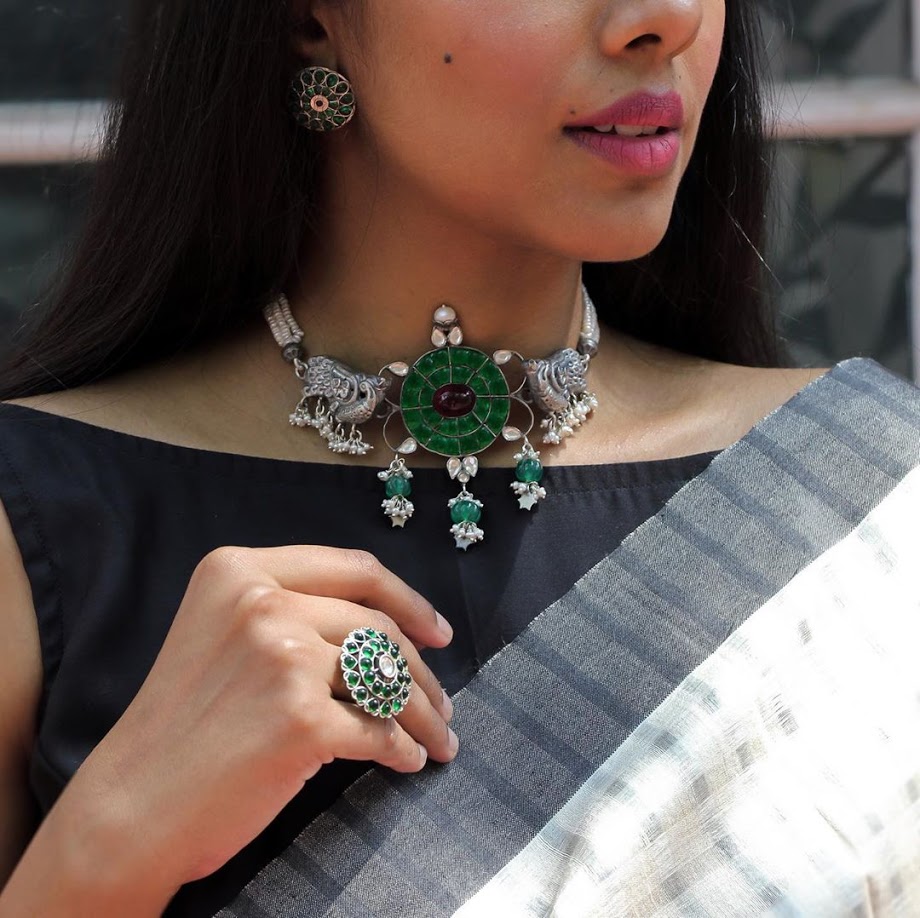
[(444, 626), (422, 754), (453, 741), (447, 705)]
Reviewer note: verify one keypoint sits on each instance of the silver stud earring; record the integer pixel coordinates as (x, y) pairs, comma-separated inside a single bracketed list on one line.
[(321, 99)]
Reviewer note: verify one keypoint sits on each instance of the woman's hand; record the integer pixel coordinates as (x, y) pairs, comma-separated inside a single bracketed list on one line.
[(246, 701)]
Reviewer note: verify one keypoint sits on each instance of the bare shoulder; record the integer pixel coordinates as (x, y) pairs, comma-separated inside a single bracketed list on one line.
[(106, 404), (20, 653), (761, 390), (185, 400), (21, 665), (738, 398), (734, 399), (153, 402)]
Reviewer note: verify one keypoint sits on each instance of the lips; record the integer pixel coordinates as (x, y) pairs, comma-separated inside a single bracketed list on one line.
[(655, 113), (651, 157)]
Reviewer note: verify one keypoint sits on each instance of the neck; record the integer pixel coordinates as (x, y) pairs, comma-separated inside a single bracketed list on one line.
[(361, 319), (369, 288)]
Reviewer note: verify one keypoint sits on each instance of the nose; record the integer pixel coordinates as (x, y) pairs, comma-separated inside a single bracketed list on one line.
[(654, 30)]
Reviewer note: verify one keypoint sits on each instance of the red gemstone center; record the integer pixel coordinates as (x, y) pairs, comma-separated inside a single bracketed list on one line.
[(454, 400)]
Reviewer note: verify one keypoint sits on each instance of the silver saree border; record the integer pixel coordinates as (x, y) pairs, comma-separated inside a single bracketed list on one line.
[(550, 708), (781, 777)]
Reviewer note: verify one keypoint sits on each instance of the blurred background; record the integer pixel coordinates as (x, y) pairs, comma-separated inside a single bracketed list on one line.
[(846, 123)]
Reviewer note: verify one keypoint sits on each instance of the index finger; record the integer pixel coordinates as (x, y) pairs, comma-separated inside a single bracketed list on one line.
[(358, 577)]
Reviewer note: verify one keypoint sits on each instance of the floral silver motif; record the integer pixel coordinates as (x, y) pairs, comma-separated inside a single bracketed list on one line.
[(375, 672), (463, 469), (321, 99)]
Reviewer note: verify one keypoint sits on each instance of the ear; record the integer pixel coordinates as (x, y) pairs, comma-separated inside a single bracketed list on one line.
[(312, 31)]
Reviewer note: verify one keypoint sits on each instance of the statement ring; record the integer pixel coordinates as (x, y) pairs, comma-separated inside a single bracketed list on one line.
[(376, 673)]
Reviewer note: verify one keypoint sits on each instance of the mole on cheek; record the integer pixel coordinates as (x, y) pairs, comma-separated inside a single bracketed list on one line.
[(448, 58)]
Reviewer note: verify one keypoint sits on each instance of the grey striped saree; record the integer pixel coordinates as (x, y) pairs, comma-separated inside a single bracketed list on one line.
[(721, 718)]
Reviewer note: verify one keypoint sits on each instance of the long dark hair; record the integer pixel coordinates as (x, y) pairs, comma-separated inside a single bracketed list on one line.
[(205, 189)]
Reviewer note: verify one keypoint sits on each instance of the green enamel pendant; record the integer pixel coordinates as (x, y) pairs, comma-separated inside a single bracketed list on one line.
[(455, 401)]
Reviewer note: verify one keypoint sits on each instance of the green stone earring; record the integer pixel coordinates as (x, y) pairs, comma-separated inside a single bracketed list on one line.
[(321, 99)]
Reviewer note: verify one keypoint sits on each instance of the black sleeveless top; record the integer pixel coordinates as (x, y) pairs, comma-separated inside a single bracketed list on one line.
[(111, 526)]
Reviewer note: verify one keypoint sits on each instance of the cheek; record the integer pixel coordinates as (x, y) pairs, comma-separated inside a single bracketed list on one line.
[(511, 68), (516, 56), (500, 81), (703, 57), (482, 135)]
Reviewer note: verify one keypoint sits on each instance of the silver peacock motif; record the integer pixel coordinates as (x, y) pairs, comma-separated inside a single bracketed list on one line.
[(559, 387), (336, 397)]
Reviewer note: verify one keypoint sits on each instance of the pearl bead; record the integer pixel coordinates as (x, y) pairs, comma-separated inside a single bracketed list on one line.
[(444, 315)]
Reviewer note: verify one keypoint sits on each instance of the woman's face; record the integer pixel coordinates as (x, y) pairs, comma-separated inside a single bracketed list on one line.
[(464, 104)]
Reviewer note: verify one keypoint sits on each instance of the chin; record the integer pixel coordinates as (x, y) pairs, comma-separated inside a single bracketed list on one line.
[(616, 243)]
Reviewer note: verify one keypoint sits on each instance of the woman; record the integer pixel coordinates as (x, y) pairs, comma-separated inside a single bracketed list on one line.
[(189, 580)]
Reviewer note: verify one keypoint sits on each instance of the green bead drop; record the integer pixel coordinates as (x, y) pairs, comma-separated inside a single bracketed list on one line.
[(397, 486), (530, 470), (465, 511)]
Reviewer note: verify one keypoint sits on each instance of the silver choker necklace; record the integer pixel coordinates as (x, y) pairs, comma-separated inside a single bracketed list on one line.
[(454, 401)]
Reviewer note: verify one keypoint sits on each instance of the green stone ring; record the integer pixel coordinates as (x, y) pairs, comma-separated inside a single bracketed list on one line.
[(375, 672)]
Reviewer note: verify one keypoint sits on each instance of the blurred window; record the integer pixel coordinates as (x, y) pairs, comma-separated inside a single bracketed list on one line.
[(846, 190)]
